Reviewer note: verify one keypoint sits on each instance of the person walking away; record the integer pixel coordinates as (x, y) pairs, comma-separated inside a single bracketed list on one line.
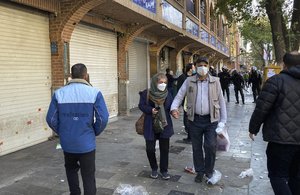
[(225, 81), (171, 81), (77, 113), (156, 102), (278, 110), (205, 108), (238, 83), (246, 78), (212, 71), (256, 81), (189, 71)]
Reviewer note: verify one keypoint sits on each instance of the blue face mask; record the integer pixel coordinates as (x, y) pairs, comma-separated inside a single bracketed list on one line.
[(194, 72)]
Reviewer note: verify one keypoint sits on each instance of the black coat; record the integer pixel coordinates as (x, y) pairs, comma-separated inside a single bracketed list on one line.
[(224, 79), (278, 108), (238, 81), (255, 79)]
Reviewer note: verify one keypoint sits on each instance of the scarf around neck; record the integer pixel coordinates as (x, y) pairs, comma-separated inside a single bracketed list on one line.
[(158, 97)]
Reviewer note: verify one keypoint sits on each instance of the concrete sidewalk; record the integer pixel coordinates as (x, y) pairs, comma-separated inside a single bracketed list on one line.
[(121, 159)]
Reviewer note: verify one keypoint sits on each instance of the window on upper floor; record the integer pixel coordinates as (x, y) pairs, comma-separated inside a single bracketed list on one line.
[(190, 6), (212, 20), (222, 34), (225, 33), (203, 11), (218, 27)]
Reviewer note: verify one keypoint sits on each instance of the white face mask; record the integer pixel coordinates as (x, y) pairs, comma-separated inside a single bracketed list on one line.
[(202, 70), (161, 86)]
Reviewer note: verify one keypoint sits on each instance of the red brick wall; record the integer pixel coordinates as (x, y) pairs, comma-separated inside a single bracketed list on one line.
[(46, 5)]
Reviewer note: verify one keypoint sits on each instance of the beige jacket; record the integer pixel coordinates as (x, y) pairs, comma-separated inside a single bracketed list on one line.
[(214, 90)]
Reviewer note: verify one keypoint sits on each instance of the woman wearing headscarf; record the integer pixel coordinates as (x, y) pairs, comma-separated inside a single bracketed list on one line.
[(156, 102)]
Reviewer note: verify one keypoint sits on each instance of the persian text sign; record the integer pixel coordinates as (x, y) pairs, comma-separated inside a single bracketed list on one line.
[(147, 4)]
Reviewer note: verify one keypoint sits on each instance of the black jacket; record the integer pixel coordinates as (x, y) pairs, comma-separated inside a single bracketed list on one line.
[(224, 79), (255, 79), (278, 108), (181, 80), (238, 81)]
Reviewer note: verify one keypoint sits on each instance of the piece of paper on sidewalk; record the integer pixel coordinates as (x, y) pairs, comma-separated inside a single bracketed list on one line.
[(58, 146)]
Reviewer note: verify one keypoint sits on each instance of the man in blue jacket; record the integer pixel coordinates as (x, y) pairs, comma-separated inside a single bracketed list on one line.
[(77, 113)]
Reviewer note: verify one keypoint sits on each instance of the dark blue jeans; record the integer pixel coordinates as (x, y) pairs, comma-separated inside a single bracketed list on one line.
[(199, 128), (284, 168), (86, 163), (186, 124)]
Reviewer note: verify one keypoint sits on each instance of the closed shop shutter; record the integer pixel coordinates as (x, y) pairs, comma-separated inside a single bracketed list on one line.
[(137, 64), (25, 82), (97, 49)]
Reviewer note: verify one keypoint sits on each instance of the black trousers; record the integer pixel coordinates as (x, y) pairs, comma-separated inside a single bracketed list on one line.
[(236, 91), (255, 91), (164, 153), (284, 168), (86, 163), (226, 89)]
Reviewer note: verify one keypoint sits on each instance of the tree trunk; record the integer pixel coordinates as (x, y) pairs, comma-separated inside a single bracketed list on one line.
[(295, 25), (274, 11)]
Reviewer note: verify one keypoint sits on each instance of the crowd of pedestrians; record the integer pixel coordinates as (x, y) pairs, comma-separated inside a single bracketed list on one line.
[(77, 114)]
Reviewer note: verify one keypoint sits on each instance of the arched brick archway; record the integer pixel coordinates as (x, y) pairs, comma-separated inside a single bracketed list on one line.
[(179, 49), (62, 25), (69, 16), (124, 41), (155, 51)]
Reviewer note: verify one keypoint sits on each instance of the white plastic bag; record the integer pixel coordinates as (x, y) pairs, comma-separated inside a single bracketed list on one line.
[(223, 142), (126, 189), (217, 175), (246, 173)]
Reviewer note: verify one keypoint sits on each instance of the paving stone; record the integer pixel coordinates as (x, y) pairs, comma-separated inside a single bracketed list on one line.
[(104, 191), (176, 149), (28, 189), (182, 142), (174, 192), (103, 175)]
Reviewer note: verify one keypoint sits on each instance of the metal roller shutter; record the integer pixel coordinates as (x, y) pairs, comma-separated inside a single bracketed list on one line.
[(137, 64), (97, 49), (25, 82)]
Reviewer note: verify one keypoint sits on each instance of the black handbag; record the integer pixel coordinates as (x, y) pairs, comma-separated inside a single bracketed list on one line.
[(157, 124)]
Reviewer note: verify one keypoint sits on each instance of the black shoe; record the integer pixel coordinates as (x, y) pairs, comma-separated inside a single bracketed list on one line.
[(165, 176), (198, 178), (154, 174), (237, 102), (243, 102), (208, 176), (254, 102)]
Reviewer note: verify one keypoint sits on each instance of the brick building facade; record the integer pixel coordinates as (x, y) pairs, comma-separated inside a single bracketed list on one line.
[(170, 33)]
